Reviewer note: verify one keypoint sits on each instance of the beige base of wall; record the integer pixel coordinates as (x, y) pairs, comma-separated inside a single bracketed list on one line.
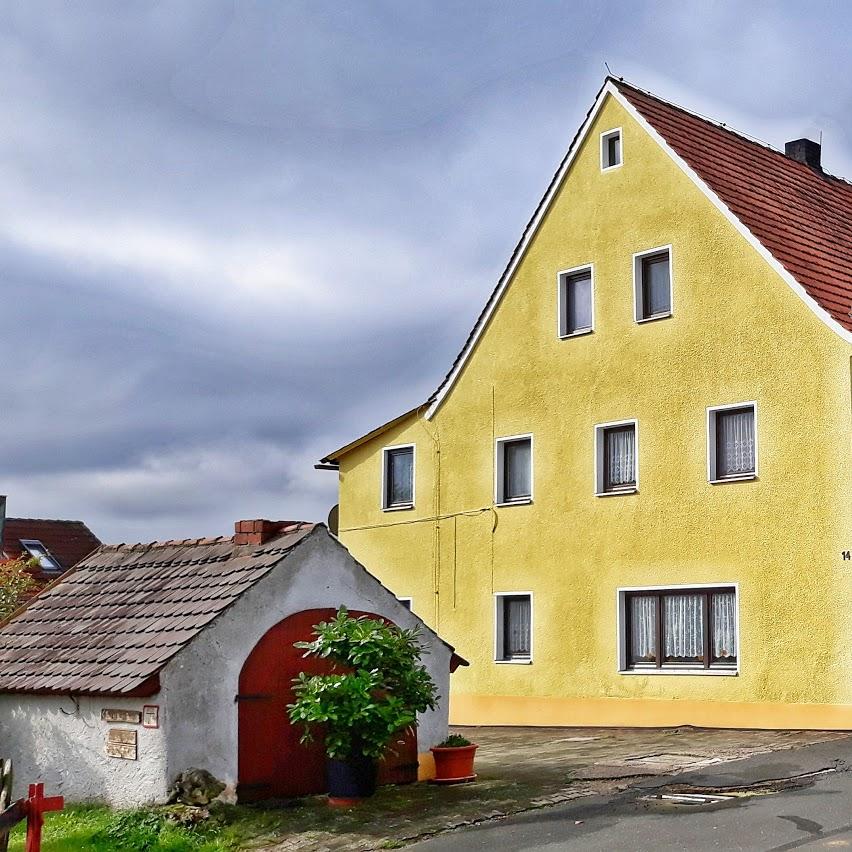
[(426, 766), (644, 713)]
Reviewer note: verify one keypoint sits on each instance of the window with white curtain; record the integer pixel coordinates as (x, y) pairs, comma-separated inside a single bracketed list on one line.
[(514, 470), (732, 442), (575, 302), (398, 477), (616, 462), (680, 629), (513, 627)]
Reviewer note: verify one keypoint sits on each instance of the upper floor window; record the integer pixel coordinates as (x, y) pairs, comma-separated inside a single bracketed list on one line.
[(616, 467), (513, 470), (576, 306), (513, 627), (732, 442), (652, 284), (679, 628), (39, 552), (398, 477), (611, 149)]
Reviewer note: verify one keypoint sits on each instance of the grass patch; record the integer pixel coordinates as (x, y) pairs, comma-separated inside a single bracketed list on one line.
[(100, 829)]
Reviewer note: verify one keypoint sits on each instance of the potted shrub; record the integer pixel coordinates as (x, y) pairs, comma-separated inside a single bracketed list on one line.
[(454, 760), (377, 688)]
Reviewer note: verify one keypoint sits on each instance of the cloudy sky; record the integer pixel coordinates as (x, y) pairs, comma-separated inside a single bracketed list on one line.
[(234, 235)]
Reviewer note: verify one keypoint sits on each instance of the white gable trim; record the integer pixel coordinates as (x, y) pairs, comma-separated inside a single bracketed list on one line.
[(611, 89)]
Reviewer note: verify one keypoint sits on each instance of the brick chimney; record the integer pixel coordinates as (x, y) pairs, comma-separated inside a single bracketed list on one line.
[(805, 151), (258, 531)]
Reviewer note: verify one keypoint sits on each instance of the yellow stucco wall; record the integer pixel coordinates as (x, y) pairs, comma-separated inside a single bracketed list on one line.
[(738, 333)]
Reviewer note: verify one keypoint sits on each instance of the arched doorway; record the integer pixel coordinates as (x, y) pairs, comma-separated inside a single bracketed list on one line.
[(272, 763)]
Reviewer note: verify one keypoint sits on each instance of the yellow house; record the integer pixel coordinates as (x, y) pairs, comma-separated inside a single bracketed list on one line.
[(630, 500)]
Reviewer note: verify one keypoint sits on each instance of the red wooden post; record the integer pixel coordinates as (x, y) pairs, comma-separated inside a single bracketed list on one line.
[(37, 805)]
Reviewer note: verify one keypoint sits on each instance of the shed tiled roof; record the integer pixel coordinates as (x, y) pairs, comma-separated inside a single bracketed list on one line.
[(110, 625), (67, 541), (801, 215)]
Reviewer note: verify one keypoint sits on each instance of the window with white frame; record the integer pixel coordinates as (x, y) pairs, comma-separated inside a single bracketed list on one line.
[(406, 602), (513, 627), (398, 477), (616, 451), (576, 308), (40, 553), (732, 442), (679, 628), (611, 149), (513, 480), (652, 284)]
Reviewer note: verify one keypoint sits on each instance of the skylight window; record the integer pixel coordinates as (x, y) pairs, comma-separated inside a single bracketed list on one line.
[(38, 551)]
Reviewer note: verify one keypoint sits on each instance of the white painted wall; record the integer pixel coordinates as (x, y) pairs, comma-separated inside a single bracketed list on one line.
[(200, 683), (63, 744)]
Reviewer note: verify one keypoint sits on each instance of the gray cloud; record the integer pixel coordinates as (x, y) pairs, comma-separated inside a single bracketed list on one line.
[(235, 235)]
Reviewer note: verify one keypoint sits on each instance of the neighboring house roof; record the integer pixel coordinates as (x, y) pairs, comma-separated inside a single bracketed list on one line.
[(110, 625), (797, 217), (66, 541)]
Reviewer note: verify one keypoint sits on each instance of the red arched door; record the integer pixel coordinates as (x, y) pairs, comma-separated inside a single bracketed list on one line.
[(272, 763)]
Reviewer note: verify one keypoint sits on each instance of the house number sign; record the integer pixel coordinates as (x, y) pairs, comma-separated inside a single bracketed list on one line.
[(121, 743)]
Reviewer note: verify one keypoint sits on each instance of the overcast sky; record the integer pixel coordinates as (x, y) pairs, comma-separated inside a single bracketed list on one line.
[(235, 235)]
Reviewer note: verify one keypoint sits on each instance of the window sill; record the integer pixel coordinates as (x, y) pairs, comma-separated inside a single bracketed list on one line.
[(526, 662), (526, 501), (616, 493), (655, 317), (579, 333), (605, 169), (683, 671), (745, 478), (403, 507)]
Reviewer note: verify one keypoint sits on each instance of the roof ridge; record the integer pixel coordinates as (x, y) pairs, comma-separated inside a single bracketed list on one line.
[(47, 521), (142, 546), (721, 125)]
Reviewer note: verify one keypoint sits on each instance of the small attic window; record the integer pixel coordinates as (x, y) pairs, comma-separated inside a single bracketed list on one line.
[(38, 551), (611, 149)]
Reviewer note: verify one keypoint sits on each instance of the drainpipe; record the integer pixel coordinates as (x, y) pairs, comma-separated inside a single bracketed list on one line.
[(2, 521)]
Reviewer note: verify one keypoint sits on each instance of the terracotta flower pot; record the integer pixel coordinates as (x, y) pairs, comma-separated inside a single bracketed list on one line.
[(453, 765)]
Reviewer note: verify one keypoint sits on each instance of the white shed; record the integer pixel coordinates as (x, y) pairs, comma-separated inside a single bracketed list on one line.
[(149, 659)]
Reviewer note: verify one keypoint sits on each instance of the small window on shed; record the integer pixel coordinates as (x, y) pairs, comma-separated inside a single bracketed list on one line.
[(611, 149)]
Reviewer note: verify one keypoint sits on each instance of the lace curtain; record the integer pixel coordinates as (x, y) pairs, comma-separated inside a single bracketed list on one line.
[(724, 626), (517, 627), (735, 438), (621, 458), (643, 629), (683, 627)]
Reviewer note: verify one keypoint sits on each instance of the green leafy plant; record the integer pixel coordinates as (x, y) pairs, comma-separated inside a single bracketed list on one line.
[(16, 580), (376, 691), (455, 741)]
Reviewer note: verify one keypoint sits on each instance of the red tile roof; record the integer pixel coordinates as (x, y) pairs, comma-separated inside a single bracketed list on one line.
[(67, 541), (801, 215), (110, 625)]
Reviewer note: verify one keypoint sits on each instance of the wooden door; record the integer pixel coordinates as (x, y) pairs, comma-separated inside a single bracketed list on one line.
[(272, 763)]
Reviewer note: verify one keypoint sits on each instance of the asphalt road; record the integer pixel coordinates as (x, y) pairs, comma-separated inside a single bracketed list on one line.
[(817, 815)]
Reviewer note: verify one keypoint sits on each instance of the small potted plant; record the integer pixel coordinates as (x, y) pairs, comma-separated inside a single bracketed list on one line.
[(454, 760), (376, 691)]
